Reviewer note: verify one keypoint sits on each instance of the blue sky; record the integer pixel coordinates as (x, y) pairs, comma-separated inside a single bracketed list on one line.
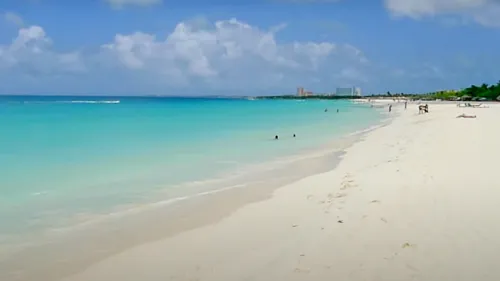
[(193, 47)]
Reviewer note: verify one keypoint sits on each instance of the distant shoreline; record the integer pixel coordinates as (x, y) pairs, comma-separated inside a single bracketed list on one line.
[(313, 97)]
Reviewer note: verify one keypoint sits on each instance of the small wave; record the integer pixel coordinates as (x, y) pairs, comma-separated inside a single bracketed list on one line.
[(90, 101), (40, 193), (73, 101), (99, 218)]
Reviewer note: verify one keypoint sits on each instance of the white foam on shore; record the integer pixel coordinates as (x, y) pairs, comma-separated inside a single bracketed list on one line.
[(238, 178), (218, 185), (137, 209)]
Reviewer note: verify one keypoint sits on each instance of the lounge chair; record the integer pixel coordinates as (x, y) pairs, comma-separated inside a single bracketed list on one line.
[(466, 116)]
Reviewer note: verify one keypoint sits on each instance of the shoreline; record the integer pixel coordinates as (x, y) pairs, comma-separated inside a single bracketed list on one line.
[(137, 226), (394, 206), (161, 172)]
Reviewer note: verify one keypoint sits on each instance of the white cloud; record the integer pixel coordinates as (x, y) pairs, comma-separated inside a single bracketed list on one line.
[(122, 3), (228, 55), (229, 52), (14, 18), (31, 53), (484, 12)]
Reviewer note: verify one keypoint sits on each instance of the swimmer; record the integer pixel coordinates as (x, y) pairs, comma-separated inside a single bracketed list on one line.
[(276, 137)]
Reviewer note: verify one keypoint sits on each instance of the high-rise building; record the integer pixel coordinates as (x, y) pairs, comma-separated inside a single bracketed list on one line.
[(357, 91), (352, 91), (344, 92), (300, 91)]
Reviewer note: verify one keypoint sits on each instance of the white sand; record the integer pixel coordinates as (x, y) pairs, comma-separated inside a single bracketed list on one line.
[(418, 199)]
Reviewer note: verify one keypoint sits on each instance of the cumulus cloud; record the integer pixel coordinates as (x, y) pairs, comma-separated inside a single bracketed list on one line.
[(225, 55), (31, 53), (229, 53), (484, 12)]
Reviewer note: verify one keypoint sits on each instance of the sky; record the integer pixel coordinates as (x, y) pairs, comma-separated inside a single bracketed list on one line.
[(244, 47)]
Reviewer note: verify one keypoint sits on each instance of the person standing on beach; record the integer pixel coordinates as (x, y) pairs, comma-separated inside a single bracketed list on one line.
[(406, 103), (390, 107)]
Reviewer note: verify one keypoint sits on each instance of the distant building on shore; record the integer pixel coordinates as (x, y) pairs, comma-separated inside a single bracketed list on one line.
[(352, 91), (300, 91), (357, 91), (303, 93)]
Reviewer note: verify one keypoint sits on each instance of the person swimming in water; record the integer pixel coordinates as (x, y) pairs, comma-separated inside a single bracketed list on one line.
[(294, 135), (276, 137)]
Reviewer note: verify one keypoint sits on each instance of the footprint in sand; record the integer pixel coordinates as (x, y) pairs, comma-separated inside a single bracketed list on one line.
[(375, 201), (407, 245), (302, 270), (347, 185), (340, 195)]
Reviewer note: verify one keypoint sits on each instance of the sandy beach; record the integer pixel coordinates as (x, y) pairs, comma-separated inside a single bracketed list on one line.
[(414, 200)]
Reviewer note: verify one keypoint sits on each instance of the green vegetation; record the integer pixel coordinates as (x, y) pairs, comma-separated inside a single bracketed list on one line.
[(483, 92)]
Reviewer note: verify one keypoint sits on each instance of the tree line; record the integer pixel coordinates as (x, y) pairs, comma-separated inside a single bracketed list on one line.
[(474, 92), (482, 92)]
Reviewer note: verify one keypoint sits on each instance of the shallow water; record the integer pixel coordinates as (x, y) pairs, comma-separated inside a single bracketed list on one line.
[(72, 157)]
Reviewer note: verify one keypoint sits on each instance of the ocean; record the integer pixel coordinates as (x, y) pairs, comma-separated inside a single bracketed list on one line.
[(67, 160)]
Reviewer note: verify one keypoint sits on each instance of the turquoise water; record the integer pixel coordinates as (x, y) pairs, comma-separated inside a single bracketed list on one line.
[(63, 157)]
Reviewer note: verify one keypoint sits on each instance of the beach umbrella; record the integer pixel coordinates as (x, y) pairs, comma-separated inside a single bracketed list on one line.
[(466, 97)]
